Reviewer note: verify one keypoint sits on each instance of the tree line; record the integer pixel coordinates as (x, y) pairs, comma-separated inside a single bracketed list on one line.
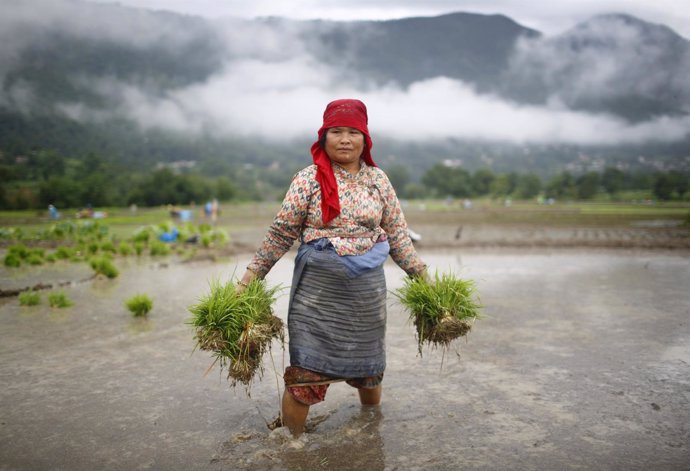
[(44, 177), (441, 181)]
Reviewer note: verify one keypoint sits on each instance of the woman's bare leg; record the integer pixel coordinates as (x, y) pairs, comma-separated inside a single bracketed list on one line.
[(370, 397), (294, 414)]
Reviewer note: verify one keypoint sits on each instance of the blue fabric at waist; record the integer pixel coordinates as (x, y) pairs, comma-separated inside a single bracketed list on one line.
[(355, 264)]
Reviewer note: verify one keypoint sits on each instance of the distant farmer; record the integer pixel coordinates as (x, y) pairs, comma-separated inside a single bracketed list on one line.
[(345, 213), (53, 212)]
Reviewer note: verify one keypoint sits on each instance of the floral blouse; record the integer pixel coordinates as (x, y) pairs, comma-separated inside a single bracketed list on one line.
[(369, 209)]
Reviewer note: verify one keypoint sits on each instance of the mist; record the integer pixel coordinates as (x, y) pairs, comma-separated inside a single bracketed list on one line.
[(268, 85)]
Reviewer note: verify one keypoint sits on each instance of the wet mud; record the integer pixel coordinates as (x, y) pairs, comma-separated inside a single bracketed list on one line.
[(582, 361)]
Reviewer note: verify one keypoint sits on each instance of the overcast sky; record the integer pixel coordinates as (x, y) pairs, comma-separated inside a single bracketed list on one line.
[(549, 17)]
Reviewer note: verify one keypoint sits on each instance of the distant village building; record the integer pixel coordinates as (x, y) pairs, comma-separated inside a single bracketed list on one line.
[(452, 163), (177, 165)]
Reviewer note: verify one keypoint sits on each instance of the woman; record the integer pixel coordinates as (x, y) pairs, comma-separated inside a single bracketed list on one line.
[(348, 218)]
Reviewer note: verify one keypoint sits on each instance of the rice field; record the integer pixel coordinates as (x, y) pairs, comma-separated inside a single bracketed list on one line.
[(580, 359)]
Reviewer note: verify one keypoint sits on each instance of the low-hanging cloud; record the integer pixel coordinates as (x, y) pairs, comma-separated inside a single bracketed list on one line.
[(253, 99), (271, 87), (608, 58)]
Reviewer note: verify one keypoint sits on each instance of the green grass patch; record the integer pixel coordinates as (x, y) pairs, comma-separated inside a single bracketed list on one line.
[(108, 246), (104, 266), (12, 260), (59, 300), (159, 249), (29, 298), (35, 259), (20, 250), (64, 253), (125, 249), (139, 305)]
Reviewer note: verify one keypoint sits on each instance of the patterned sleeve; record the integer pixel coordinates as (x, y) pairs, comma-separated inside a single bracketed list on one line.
[(286, 227), (393, 222)]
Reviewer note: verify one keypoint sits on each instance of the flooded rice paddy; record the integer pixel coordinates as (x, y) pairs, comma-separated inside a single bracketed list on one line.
[(581, 362)]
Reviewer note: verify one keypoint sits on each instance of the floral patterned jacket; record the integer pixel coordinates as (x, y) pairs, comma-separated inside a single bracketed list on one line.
[(369, 208)]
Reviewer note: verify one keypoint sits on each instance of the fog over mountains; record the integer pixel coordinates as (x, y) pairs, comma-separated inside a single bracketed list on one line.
[(613, 86)]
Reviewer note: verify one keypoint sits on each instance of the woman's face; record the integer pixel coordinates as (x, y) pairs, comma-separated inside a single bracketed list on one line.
[(344, 146)]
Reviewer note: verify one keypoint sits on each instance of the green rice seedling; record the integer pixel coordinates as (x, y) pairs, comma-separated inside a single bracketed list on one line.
[(63, 253), (104, 266), (144, 234), (125, 249), (166, 226), (51, 258), (220, 237), (59, 300), (12, 233), (29, 298), (139, 305), (108, 247), (92, 248), (442, 310), (34, 259), (237, 326), (158, 248), (20, 250), (139, 248), (6, 233), (187, 230), (76, 258), (206, 240), (61, 230), (13, 260), (37, 251)]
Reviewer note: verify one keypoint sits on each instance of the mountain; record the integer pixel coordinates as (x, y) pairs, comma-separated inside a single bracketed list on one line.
[(470, 47), (612, 63), (144, 87)]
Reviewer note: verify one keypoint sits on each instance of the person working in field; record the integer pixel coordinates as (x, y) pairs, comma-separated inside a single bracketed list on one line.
[(346, 214)]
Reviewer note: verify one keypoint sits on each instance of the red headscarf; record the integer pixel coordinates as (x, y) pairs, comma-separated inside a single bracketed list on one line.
[(347, 113)]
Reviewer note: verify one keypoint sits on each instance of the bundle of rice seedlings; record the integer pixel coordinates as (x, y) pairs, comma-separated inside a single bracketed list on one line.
[(158, 248), (59, 300), (13, 260), (63, 253), (237, 326), (442, 310), (108, 246), (103, 266), (125, 249), (139, 305), (29, 298)]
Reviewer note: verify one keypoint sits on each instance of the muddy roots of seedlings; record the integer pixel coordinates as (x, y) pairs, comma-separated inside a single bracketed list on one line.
[(254, 341), (441, 332), (210, 341)]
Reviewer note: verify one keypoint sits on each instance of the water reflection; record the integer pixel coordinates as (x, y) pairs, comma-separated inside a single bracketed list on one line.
[(140, 325)]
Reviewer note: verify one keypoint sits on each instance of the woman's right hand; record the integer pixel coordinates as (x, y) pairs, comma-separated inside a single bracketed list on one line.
[(247, 278)]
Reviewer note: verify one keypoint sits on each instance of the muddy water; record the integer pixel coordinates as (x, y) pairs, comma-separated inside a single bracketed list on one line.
[(582, 362)]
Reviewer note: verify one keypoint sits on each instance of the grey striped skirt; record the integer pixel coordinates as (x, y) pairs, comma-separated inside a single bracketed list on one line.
[(336, 322)]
